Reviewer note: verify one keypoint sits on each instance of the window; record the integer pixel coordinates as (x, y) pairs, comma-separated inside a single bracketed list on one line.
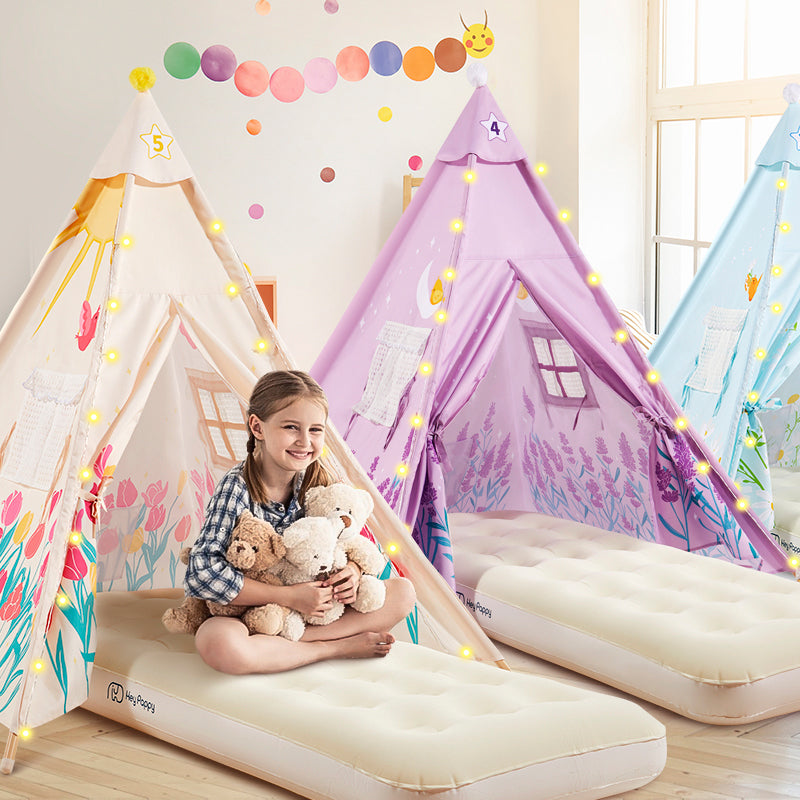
[(562, 379), (223, 424), (717, 72)]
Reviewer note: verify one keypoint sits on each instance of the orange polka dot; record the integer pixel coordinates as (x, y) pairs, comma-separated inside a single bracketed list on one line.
[(253, 127), (418, 63)]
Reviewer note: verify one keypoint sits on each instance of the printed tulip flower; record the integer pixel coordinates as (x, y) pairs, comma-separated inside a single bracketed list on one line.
[(154, 494), (12, 505), (126, 493), (75, 566)]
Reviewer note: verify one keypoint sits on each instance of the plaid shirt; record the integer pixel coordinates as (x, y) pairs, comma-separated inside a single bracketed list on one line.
[(208, 574)]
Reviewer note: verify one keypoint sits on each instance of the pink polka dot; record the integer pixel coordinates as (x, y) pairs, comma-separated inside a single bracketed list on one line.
[(286, 84), (251, 78), (352, 63), (415, 162), (256, 211), (320, 75), (327, 174)]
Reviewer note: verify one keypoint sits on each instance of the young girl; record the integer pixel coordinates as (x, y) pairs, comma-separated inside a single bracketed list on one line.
[(287, 415)]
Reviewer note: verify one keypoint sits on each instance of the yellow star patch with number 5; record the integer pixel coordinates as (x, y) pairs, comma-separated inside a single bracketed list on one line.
[(158, 143)]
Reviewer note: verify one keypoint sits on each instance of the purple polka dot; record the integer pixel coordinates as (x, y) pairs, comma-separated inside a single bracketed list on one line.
[(256, 211), (218, 62)]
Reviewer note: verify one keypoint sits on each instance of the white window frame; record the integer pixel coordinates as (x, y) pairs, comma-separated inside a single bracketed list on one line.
[(745, 99)]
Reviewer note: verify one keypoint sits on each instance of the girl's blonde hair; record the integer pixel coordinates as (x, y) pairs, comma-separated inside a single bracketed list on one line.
[(271, 394)]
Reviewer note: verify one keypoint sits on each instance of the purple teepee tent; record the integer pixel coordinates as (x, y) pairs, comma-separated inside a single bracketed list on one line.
[(481, 366)]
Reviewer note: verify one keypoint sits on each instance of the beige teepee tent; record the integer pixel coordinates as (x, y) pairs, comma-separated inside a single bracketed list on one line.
[(112, 438)]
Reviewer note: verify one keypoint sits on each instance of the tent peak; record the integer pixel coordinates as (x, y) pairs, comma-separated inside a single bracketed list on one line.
[(477, 74), (142, 78), (791, 92)]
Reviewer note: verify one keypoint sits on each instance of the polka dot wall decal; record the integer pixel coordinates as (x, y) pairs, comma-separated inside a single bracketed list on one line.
[(181, 60), (418, 63), (415, 162), (286, 84), (256, 211), (251, 78), (352, 63), (385, 58), (320, 75), (253, 127), (327, 174), (331, 6), (450, 55), (218, 62), (384, 113), (263, 7)]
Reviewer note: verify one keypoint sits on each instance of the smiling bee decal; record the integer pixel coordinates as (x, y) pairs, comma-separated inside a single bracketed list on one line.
[(478, 39)]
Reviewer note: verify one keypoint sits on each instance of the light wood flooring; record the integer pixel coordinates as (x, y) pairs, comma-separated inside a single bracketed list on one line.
[(85, 756)]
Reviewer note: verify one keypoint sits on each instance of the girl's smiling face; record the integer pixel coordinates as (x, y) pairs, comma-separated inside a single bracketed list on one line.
[(291, 439)]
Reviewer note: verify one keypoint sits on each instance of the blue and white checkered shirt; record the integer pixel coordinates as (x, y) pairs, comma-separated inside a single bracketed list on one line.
[(208, 574)]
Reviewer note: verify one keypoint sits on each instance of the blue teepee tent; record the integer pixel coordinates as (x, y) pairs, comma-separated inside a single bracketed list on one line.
[(730, 353)]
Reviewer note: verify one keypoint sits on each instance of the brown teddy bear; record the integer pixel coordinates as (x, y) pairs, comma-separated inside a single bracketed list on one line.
[(254, 548)]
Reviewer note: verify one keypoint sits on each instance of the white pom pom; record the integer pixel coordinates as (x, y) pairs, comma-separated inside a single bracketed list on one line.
[(791, 92), (477, 74)]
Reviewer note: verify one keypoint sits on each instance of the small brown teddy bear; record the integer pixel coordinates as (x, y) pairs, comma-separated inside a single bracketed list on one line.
[(254, 548)]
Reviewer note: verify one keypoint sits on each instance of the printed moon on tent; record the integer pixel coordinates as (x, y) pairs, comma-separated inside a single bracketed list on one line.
[(426, 293)]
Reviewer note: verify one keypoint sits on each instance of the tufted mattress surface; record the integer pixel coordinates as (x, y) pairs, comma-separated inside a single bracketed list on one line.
[(709, 639), (415, 724)]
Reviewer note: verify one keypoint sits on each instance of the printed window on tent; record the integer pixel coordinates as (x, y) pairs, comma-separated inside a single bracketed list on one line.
[(722, 329), (562, 377), (222, 420)]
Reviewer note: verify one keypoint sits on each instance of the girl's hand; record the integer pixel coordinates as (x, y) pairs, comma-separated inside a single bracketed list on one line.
[(345, 583), (312, 599)]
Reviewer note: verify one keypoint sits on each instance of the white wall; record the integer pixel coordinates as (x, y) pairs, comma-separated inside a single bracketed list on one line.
[(64, 86)]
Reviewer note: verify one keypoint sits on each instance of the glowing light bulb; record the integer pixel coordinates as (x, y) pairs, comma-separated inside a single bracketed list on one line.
[(112, 355), (750, 441), (232, 290), (449, 274), (402, 470), (113, 305), (681, 423), (392, 548), (794, 562), (653, 376), (703, 467), (416, 420), (38, 665), (25, 733), (126, 241), (466, 652), (541, 169), (216, 226), (742, 504), (777, 269), (761, 354), (261, 346), (785, 227), (441, 316), (593, 278), (457, 226), (621, 335), (781, 183), (93, 416), (426, 368), (85, 474), (469, 176), (76, 537), (564, 215), (777, 308), (753, 397), (62, 599)]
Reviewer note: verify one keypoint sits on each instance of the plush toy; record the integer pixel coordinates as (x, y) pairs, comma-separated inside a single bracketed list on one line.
[(254, 548), (321, 543)]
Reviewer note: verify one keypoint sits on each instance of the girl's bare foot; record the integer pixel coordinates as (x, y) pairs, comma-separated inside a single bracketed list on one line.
[(362, 645)]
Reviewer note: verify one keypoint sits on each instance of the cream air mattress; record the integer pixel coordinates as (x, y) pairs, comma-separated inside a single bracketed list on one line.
[(711, 640), (786, 505), (413, 725)]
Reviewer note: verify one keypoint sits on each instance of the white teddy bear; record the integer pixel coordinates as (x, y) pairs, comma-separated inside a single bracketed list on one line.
[(321, 543)]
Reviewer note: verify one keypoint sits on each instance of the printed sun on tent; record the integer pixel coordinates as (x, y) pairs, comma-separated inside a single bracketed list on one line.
[(126, 366), (731, 351), (481, 366)]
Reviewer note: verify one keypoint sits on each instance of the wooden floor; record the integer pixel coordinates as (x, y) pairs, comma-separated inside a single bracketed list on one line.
[(85, 756)]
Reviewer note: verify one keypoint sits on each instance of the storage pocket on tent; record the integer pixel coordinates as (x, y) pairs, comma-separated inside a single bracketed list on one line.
[(394, 364), (42, 427), (723, 326)]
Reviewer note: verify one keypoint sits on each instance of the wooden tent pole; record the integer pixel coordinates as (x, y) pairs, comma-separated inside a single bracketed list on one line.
[(10, 754)]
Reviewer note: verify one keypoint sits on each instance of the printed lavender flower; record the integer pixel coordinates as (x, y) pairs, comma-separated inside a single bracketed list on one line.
[(502, 454), (626, 524), (587, 461), (663, 477), (554, 457), (462, 434), (565, 445), (610, 487), (487, 422), (594, 491), (429, 494), (684, 460), (544, 461), (474, 446), (645, 431), (644, 461), (468, 481), (486, 466), (625, 452), (372, 467), (526, 401), (407, 448)]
